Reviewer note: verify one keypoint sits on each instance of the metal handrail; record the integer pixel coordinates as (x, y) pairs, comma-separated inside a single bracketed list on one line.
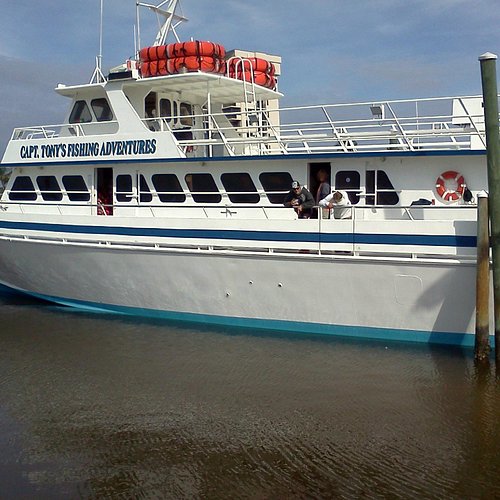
[(259, 206), (327, 128)]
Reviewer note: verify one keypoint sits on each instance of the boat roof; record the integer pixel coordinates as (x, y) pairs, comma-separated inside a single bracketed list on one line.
[(221, 88)]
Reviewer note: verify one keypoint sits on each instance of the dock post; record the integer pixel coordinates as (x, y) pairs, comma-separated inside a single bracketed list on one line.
[(482, 339), (490, 100)]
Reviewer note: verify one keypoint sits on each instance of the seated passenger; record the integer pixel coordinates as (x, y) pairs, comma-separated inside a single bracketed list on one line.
[(300, 199), (338, 202)]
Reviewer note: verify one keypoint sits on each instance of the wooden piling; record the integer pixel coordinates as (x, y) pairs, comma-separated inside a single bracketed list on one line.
[(490, 101), (482, 339)]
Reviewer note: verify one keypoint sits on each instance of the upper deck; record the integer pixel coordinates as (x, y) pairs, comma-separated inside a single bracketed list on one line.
[(199, 115)]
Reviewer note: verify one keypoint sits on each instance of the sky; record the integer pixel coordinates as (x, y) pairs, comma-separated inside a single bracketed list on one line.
[(333, 51)]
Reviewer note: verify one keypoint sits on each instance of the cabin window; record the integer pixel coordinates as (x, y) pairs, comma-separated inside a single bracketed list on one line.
[(240, 188), (165, 108), (23, 189), (75, 187), (203, 188), (168, 110), (150, 110), (185, 111), (168, 188), (380, 188), (349, 181), (80, 113), (276, 185), (102, 110), (124, 188), (145, 195), (49, 188)]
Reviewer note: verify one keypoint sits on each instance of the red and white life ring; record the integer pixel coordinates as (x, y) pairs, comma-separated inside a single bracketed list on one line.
[(450, 186)]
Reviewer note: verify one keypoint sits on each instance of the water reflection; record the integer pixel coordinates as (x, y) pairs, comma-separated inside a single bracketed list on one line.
[(107, 406)]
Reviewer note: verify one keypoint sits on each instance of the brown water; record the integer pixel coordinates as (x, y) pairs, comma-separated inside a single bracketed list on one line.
[(99, 406)]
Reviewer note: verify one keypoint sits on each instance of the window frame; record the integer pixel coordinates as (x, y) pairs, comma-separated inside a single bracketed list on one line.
[(247, 196), (123, 195), (145, 195), (276, 196), (203, 196), (76, 195), (109, 116), (49, 194), (170, 196), (23, 194), (73, 115), (353, 191)]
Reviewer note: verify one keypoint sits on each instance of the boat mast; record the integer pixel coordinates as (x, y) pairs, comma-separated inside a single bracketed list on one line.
[(97, 75), (170, 22)]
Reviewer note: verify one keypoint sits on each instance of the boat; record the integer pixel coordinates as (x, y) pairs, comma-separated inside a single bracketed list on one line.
[(161, 194)]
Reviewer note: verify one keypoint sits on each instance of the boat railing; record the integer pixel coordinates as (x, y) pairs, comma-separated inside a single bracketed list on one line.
[(172, 209), (448, 123), (424, 124), (388, 232), (64, 130)]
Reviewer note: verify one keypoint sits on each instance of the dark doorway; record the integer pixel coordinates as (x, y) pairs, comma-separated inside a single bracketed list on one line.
[(104, 187), (319, 180)]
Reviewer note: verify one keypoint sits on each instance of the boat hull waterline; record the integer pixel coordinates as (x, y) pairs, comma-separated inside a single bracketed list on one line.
[(342, 295)]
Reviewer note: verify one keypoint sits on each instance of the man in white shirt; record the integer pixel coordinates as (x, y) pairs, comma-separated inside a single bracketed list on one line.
[(338, 202)]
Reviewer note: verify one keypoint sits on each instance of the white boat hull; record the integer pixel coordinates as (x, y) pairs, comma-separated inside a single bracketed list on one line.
[(413, 299)]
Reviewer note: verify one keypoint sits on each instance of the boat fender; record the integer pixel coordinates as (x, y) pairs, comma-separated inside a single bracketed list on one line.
[(450, 186)]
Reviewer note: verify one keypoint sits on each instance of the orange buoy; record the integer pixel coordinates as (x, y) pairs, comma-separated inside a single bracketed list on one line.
[(450, 186), (193, 63), (251, 64), (154, 68), (195, 48), (153, 53), (144, 68), (257, 77)]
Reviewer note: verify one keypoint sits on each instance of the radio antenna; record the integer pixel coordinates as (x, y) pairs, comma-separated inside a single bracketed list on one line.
[(97, 76)]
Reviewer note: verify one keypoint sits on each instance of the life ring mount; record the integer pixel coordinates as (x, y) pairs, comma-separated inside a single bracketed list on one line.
[(450, 186)]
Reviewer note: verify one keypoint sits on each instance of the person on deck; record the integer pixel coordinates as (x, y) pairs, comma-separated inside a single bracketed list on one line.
[(338, 202), (300, 199), (324, 186)]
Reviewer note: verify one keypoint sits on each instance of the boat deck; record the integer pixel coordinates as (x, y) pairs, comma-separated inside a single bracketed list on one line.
[(447, 123)]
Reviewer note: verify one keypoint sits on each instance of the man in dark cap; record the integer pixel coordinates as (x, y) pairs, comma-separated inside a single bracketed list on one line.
[(300, 199)]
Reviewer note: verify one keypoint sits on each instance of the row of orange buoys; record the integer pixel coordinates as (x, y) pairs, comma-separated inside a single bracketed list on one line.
[(183, 49), (176, 65), (183, 57), (207, 57)]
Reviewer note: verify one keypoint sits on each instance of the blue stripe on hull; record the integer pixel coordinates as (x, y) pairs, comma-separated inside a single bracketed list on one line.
[(356, 238), (390, 334)]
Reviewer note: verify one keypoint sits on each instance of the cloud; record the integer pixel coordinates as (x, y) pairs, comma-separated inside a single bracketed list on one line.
[(27, 96)]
